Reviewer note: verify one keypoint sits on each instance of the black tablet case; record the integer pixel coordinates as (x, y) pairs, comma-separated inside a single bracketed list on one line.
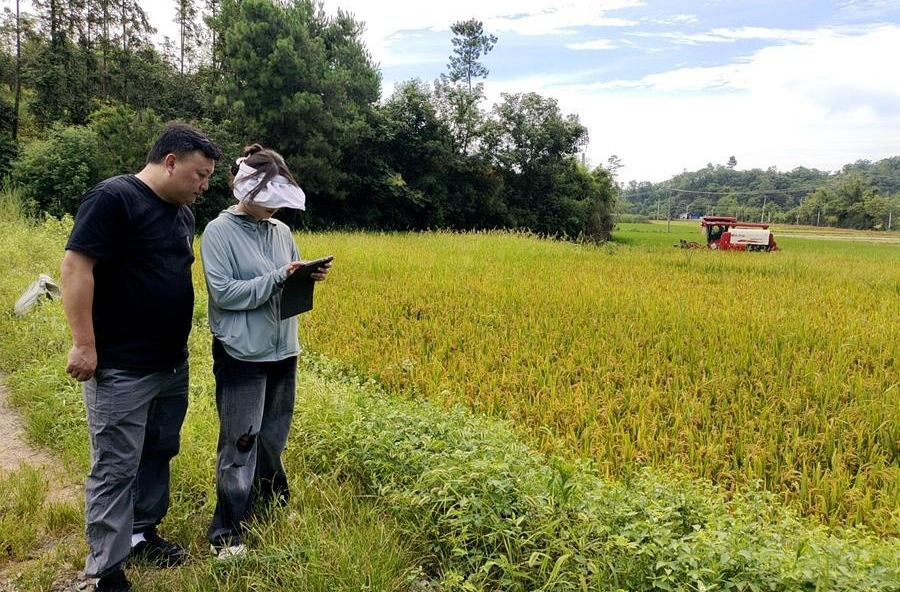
[(297, 292)]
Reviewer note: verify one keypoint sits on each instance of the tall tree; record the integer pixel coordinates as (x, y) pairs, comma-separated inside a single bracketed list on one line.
[(50, 13), (210, 18), (136, 31), (15, 128), (101, 17), (301, 81), (459, 110), (470, 43), (534, 146), (189, 32), (613, 164), (456, 97)]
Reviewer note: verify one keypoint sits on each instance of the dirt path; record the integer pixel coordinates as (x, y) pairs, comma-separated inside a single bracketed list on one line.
[(16, 451)]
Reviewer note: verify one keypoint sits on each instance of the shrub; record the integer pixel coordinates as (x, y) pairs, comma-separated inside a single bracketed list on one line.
[(53, 173), (124, 137)]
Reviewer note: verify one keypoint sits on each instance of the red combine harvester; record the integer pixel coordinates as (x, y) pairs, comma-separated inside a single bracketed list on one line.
[(727, 234)]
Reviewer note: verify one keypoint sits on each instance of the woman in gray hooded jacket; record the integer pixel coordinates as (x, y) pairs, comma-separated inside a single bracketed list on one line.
[(247, 256)]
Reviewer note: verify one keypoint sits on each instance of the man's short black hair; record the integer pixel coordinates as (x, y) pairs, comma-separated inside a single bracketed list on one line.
[(181, 139)]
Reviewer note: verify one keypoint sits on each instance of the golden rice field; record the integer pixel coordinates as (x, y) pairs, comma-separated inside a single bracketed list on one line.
[(773, 370)]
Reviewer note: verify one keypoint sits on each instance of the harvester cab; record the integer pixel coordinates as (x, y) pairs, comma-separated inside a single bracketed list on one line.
[(727, 234)]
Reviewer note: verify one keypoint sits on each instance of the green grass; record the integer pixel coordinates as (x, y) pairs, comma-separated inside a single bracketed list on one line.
[(328, 539), (392, 492)]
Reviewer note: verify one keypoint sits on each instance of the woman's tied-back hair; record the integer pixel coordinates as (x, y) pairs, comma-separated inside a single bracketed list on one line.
[(268, 165)]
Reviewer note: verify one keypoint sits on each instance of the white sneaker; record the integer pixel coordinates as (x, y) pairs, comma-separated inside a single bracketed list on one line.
[(228, 552)]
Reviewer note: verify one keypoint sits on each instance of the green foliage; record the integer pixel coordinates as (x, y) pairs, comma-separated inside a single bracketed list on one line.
[(413, 178), (8, 146), (470, 43), (302, 82), (289, 76), (124, 137), (849, 202), (55, 172), (499, 516), (860, 196), (60, 72), (602, 191), (458, 108), (219, 196), (534, 146), (12, 208), (455, 96)]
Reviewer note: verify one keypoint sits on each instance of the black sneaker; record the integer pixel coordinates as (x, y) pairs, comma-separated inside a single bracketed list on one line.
[(114, 582), (157, 550)]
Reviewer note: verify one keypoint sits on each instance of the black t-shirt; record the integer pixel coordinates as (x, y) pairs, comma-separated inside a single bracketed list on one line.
[(143, 295)]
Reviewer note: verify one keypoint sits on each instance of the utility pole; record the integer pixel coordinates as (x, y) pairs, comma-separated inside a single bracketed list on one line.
[(890, 218), (818, 215), (657, 208), (762, 216)]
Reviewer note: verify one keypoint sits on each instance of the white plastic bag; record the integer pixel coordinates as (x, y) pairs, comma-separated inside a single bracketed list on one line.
[(43, 286)]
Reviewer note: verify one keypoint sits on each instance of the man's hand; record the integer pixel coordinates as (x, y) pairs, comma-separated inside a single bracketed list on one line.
[(77, 275), (82, 362)]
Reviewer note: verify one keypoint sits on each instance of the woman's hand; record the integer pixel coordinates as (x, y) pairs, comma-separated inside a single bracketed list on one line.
[(321, 272), (318, 275), (294, 266)]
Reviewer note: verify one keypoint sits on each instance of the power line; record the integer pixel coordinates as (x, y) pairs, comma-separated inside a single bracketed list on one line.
[(733, 192), (748, 192)]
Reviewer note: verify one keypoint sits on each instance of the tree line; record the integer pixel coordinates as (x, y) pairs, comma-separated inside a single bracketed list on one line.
[(86, 90), (862, 195)]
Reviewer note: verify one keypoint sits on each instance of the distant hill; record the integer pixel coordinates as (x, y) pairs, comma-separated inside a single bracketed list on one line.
[(864, 194)]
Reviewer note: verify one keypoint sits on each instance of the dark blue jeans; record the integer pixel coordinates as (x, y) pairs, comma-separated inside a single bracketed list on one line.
[(255, 401)]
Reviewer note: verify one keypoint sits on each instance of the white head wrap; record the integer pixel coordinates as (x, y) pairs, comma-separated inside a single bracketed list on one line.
[(279, 192)]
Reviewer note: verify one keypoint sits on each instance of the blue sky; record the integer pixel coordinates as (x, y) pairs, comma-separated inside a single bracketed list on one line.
[(670, 85)]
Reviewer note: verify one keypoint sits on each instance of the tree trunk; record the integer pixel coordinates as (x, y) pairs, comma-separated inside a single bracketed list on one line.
[(15, 128), (105, 82), (125, 51), (181, 12)]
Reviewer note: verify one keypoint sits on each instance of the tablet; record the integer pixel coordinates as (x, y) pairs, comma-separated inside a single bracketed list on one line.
[(297, 292)]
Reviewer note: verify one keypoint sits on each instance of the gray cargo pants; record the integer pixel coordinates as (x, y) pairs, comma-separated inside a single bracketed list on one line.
[(134, 421)]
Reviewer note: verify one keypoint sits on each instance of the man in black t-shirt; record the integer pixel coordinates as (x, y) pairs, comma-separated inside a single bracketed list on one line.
[(129, 300)]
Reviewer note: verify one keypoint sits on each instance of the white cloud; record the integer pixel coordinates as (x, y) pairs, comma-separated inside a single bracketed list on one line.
[(555, 21), (821, 104), (816, 69), (524, 17), (678, 19), (723, 35), (868, 8), (596, 44)]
